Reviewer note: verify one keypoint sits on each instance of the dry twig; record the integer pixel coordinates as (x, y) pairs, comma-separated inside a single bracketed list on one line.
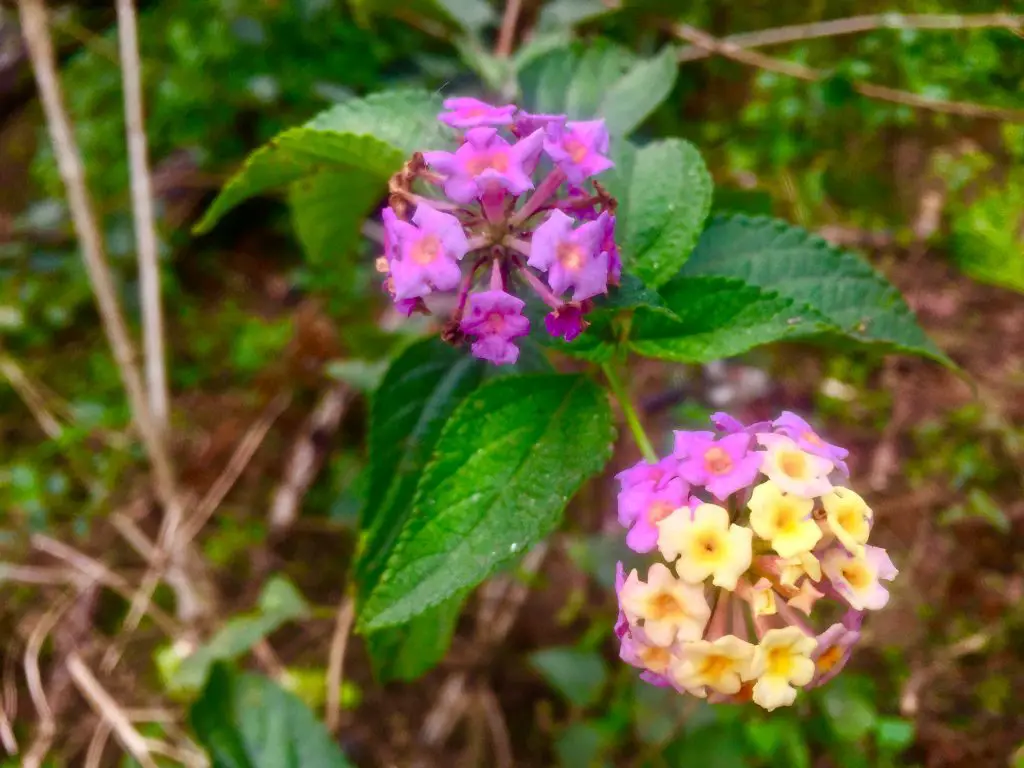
[(109, 710), (142, 214), (855, 24), (336, 661), (730, 50), (31, 396), (507, 33), (94, 754), (47, 728)]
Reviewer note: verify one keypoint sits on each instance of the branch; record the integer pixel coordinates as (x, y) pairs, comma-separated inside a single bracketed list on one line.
[(506, 35), (853, 25), (69, 162), (142, 213), (336, 661), (109, 711), (730, 50)]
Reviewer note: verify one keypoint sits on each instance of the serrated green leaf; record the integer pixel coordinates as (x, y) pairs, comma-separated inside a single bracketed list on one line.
[(579, 676), (667, 199), (328, 210), (507, 463), (420, 391), (369, 137), (279, 603), (573, 80), (635, 95), (795, 264), (719, 317), (410, 650), (247, 721)]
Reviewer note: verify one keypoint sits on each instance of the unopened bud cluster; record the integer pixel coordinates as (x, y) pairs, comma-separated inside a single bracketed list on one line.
[(766, 571), (514, 199)]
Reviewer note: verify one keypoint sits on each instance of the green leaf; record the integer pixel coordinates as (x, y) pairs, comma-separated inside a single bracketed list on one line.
[(328, 210), (507, 463), (578, 675), (368, 138), (849, 709), (635, 95), (561, 14), (582, 745), (719, 317), (795, 264), (279, 603), (419, 393), (574, 80), (894, 734), (408, 651), (246, 721), (668, 198)]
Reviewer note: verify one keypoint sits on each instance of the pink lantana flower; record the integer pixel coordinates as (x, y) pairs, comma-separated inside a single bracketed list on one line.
[(466, 112), (495, 318), (429, 248), (723, 466), (572, 258), (486, 163), (578, 148), (643, 506)]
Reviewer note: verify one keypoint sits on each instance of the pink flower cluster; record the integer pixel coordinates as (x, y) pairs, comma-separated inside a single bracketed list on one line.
[(512, 197), (755, 526)]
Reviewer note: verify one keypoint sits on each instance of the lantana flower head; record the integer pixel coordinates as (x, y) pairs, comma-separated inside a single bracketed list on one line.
[(764, 550), (517, 195)]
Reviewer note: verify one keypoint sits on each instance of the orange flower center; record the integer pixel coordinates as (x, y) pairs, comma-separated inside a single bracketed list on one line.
[(717, 461), (571, 256), (577, 149), (426, 250), (829, 658), (658, 511), (497, 160), (793, 463), (663, 605)]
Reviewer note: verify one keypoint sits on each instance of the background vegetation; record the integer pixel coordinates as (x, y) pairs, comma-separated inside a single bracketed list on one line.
[(277, 330)]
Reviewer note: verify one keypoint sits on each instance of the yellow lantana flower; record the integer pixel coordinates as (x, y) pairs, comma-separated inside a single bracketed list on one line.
[(794, 470), (671, 609), (781, 663), (706, 545), (721, 665), (849, 518), (783, 519)]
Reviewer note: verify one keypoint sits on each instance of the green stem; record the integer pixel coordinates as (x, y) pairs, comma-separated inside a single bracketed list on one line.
[(632, 419)]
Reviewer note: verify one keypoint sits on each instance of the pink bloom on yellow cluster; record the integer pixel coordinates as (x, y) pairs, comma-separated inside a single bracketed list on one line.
[(512, 198), (755, 526)]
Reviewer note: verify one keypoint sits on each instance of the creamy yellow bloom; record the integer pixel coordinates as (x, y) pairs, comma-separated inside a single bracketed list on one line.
[(721, 665), (670, 608), (706, 545), (794, 470), (783, 519), (849, 518), (762, 598), (781, 662), (857, 577), (796, 567)]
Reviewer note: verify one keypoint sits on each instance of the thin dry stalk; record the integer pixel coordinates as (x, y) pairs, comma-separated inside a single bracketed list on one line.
[(96, 571), (236, 465), (109, 710), (69, 162), (142, 213), (47, 728), (503, 757), (730, 50), (94, 754), (31, 396), (856, 24), (306, 457), (33, 574), (7, 739), (336, 663), (507, 33)]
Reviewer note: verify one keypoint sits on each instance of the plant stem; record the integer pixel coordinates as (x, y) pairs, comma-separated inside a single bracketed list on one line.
[(632, 418)]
